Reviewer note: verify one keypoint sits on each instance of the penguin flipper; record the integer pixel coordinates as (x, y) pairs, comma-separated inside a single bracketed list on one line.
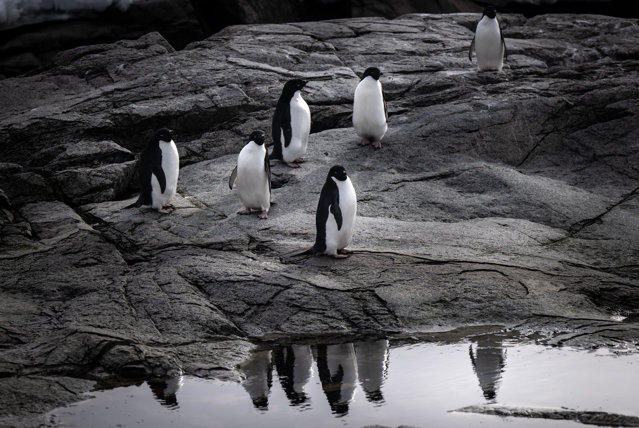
[(267, 170), (472, 48), (233, 177), (337, 213), (159, 174), (385, 106), (288, 132)]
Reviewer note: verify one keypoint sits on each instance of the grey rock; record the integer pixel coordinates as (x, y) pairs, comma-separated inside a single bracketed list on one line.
[(505, 199), (585, 417)]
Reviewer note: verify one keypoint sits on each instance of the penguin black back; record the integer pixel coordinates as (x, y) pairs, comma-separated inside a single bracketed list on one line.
[(151, 163), (282, 117), (258, 138), (328, 202)]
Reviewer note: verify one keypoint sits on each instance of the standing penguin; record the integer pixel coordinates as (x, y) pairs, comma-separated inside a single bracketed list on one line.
[(253, 174), (488, 42), (335, 217), (159, 168), (291, 124), (369, 109)]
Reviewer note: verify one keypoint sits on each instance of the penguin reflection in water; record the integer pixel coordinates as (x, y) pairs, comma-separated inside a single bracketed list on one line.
[(335, 216), (253, 176), (488, 42), (291, 124), (159, 167), (369, 109)]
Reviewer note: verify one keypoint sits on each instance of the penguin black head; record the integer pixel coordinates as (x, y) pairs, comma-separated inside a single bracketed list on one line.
[(163, 134), (490, 12), (293, 86), (257, 137), (338, 172), (373, 72)]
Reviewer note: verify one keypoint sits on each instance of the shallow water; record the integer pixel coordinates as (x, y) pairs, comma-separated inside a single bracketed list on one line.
[(367, 383)]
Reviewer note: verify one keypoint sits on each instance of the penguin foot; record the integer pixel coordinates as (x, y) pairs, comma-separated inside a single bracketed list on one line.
[(340, 256), (345, 251), (163, 211), (245, 211), (263, 215), (299, 160), (364, 142), (377, 144), (168, 206), (292, 165)]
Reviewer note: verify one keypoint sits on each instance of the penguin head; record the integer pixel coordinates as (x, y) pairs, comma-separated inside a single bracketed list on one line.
[(490, 12), (372, 72), (293, 86), (163, 134), (338, 172), (257, 137)]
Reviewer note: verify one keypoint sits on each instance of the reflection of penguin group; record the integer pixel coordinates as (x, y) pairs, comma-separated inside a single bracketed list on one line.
[(340, 367), (291, 126)]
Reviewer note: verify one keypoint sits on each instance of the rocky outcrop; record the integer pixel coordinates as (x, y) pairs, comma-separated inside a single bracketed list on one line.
[(497, 198)]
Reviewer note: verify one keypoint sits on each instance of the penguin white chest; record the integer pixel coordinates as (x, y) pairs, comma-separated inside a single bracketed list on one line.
[(171, 168), (300, 128), (488, 45), (369, 116), (338, 239), (252, 182)]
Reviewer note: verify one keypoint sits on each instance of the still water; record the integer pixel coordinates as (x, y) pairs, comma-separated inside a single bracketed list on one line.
[(367, 383)]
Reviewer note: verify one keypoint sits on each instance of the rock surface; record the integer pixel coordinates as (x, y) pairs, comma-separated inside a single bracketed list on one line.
[(497, 198)]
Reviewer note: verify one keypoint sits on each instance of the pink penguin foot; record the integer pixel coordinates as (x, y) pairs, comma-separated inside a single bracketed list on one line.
[(293, 164), (163, 211), (245, 211), (168, 206), (340, 256), (299, 160), (263, 215), (364, 142), (344, 251), (377, 144)]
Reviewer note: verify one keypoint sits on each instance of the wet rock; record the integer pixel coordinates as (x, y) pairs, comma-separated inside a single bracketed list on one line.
[(582, 416), (34, 395), (497, 198)]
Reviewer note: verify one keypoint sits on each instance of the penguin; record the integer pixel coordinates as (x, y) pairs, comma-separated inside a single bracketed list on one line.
[(337, 369), (369, 109), (294, 368), (165, 390), (489, 363), (291, 124), (335, 216), (159, 168), (372, 367), (258, 377), (488, 42), (253, 174)]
